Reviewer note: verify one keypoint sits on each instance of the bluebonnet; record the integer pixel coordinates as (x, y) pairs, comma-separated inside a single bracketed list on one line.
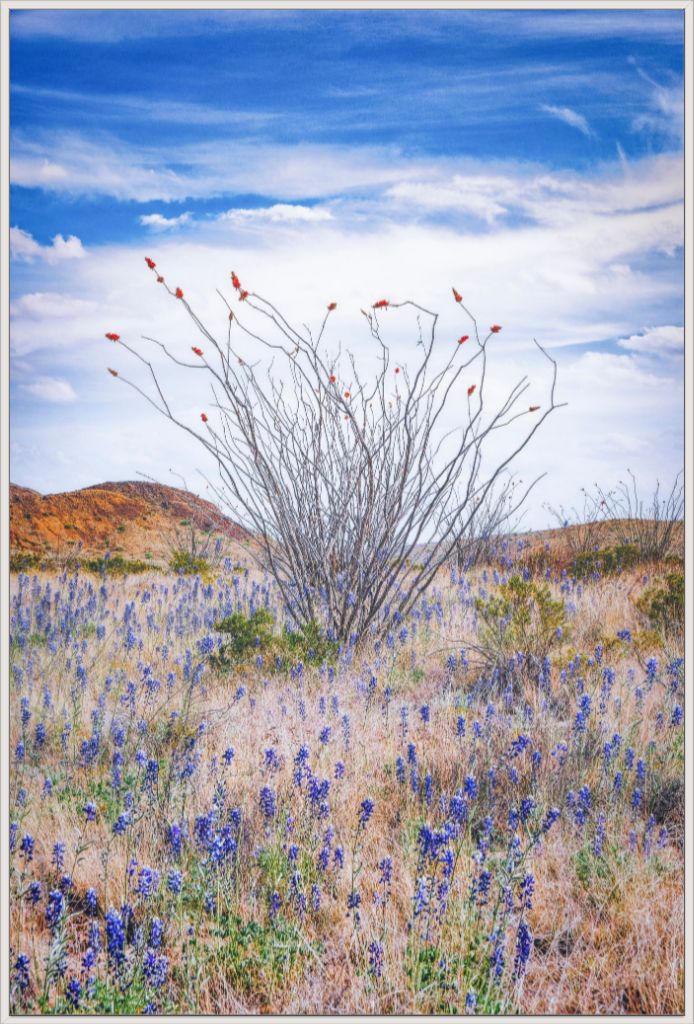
[(174, 882), (375, 959), (73, 991), (365, 811), (21, 972), (115, 936), (268, 802), (54, 908), (523, 949)]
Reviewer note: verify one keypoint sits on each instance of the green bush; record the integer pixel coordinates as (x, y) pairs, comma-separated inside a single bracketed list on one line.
[(663, 605), (523, 619), (606, 561), (20, 561), (251, 635), (116, 565), (189, 565), (245, 636)]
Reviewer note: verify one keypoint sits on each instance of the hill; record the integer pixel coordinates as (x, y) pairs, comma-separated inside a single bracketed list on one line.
[(138, 520)]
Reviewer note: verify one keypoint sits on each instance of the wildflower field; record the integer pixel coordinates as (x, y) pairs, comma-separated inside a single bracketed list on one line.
[(481, 812)]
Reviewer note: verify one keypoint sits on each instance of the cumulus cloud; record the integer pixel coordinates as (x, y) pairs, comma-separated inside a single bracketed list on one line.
[(568, 116), (279, 213), (50, 304), (25, 248), (157, 221), (50, 389), (656, 341)]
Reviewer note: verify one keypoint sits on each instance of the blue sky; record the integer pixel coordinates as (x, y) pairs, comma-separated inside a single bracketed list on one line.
[(532, 157)]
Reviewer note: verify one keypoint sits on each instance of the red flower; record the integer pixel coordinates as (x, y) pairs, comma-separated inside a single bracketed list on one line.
[(471, 390), (179, 293), (461, 341), (333, 378), (150, 263), (381, 304), (332, 306), (346, 394), (113, 337), (235, 281), (456, 295), (243, 295), (160, 280), (533, 408), (198, 351), (203, 417), (495, 328), (114, 373)]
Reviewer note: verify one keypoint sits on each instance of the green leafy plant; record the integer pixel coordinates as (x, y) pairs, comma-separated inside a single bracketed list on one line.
[(248, 636), (20, 561), (116, 565), (663, 605), (523, 619), (606, 561), (188, 564)]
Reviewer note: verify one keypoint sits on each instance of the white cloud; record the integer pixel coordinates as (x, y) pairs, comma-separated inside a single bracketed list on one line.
[(50, 304), (109, 166), (279, 213), (157, 222), (656, 341), (24, 247), (585, 264), (568, 116), (51, 389)]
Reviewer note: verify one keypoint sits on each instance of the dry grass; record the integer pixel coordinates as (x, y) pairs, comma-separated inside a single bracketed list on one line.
[(607, 930)]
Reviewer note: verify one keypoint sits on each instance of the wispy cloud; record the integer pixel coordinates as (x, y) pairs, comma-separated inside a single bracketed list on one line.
[(570, 117), (51, 389), (24, 247)]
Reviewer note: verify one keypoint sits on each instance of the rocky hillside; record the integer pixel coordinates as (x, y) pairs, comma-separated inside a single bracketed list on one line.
[(137, 520)]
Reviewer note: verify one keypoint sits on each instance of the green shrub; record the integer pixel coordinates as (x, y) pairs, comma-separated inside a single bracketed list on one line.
[(245, 636), (116, 565), (251, 635), (663, 605), (606, 561), (256, 958), (20, 561), (187, 564), (523, 619)]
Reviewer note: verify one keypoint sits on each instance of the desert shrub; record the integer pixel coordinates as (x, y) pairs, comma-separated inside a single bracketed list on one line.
[(252, 635), (522, 619), (663, 604), (116, 565), (606, 561), (188, 564), (244, 636), (20, 561)]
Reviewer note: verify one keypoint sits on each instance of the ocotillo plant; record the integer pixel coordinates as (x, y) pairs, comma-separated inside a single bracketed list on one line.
[(354, 491)]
